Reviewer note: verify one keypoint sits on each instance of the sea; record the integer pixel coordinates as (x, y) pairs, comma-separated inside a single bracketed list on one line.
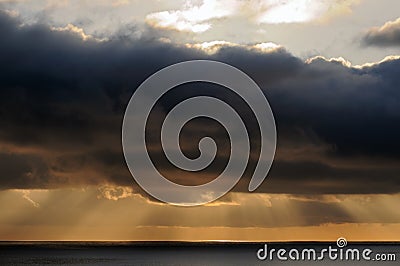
[(195, 253)]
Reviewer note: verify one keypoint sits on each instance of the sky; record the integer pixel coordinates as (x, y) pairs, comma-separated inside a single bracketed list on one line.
[(329, 69)]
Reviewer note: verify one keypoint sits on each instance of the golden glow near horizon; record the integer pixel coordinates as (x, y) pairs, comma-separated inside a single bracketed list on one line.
[(117, 213)]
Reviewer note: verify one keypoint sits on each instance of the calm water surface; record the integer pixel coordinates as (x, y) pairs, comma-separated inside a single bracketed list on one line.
[(167, 253)]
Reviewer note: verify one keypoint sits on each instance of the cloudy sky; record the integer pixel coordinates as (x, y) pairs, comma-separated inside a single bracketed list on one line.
[(330, 70)]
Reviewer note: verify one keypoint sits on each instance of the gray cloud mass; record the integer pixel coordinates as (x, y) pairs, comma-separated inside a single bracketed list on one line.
[(62, 101), (385, 36)]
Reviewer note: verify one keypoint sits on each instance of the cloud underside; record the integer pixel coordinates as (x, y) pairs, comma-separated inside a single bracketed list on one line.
[(385, 36), (62, 100)]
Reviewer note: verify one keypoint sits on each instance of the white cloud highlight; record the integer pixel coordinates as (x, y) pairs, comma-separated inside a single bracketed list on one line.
[(193, 17)]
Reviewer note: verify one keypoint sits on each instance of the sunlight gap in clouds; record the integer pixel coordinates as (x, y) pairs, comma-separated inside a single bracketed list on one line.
[(197, 17), (192, 17), (279, 11)]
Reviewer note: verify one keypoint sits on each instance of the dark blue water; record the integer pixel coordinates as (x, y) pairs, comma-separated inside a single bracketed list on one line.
[(171, 253)]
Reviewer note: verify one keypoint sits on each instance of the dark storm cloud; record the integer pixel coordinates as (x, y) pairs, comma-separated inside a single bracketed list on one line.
[(17, 171), (356, 110), (62, 101), (387, 35), (313, 176)]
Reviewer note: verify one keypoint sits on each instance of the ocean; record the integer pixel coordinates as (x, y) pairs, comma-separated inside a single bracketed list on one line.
[(188, 253)]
